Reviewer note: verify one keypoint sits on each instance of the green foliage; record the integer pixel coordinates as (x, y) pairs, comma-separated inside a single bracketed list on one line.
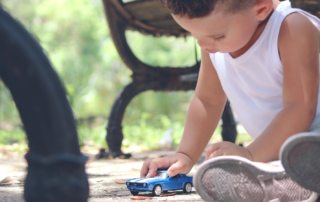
[(164, 51), (92, 135), (10, 137), (243, 137), (75, 36), (149, 130), (8, 109)]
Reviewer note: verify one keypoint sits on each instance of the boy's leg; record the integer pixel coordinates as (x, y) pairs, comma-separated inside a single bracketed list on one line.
[(300, 156), (231, 178)]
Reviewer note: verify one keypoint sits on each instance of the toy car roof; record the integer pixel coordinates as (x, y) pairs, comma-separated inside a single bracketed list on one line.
[(162, 170)]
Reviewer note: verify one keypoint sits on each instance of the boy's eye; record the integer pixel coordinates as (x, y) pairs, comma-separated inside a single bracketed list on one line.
[(219, 38)]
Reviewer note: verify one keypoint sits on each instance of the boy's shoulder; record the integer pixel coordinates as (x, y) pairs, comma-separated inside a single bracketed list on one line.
[(296, 21), (296, 27)]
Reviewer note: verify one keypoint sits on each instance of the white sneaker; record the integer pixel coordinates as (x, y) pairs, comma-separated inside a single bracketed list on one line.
[(236, 179), (300, 156)]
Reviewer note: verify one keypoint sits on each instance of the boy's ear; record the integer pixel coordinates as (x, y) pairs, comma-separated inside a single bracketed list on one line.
[(263, 8)]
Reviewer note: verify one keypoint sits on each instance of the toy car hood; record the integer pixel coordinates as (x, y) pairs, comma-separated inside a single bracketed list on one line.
[(144, 180)]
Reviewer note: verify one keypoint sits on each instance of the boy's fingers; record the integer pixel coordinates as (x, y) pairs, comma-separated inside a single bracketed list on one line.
[(217, 153), (172, 163), (175, 169), (211, 149), (212, 155), (153, 167), (145, 168)]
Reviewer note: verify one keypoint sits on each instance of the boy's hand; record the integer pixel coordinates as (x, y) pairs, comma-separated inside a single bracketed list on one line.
[(177, 163), (227, 149)]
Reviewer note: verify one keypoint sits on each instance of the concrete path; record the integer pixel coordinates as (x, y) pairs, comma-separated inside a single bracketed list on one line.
[(105, 177)]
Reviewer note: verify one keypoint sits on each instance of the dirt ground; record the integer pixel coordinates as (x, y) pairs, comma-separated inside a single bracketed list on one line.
[(106, 178)]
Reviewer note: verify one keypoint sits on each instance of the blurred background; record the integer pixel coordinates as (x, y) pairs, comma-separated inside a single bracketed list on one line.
[(75, 36)]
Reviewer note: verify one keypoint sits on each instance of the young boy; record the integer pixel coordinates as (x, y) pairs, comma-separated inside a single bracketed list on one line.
[(264, 56)]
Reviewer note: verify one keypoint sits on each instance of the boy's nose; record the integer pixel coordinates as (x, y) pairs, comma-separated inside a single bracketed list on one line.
[(205, 44)]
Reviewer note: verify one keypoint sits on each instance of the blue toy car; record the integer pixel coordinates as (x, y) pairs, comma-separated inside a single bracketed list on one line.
[(160, 183)]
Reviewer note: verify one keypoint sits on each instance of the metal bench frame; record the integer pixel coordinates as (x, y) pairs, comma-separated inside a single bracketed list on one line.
[(56, 168), (146, 77)]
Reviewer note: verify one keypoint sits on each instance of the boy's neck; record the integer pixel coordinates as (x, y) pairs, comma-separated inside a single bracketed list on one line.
[(256, 35)]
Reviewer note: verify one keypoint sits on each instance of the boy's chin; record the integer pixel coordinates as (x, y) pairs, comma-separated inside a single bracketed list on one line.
[(211, 51)]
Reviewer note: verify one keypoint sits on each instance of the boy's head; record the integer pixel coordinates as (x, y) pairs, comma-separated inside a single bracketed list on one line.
[(220, 25), (202, 8)]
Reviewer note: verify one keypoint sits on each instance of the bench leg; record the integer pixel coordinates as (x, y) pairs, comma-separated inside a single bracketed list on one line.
[(229, 131), (114, 128), (56, 168)]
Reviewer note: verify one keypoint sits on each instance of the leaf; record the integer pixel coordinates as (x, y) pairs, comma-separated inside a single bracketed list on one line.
[(168, 194), (120, 181), (9, 180), (140, 197), (6, 180)]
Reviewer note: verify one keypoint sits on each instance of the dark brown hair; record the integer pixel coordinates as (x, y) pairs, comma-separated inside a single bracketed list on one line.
[(202, 8)]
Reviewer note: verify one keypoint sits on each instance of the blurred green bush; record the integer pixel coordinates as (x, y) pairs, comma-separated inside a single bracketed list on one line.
[(75, 36)]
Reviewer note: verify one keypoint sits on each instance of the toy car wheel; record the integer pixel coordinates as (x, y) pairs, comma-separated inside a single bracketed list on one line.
[(157, 190), (187, 187), (134, 193)]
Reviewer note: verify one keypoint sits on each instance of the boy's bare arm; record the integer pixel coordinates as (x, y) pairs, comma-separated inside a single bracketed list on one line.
[(299, 52), (204, 112), (203, 117)]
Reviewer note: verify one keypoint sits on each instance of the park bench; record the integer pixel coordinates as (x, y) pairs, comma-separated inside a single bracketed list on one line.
[(312, 6), (150, 17)]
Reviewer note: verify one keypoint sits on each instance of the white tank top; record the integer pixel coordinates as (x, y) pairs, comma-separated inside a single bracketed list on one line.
[(253, 82)]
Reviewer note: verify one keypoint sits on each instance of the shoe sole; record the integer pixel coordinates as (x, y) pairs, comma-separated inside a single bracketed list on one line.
[(300, 158), (235, 179)]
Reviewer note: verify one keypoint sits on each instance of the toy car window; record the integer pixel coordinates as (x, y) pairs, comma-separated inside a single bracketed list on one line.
[(161, 175), (176, 176)]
